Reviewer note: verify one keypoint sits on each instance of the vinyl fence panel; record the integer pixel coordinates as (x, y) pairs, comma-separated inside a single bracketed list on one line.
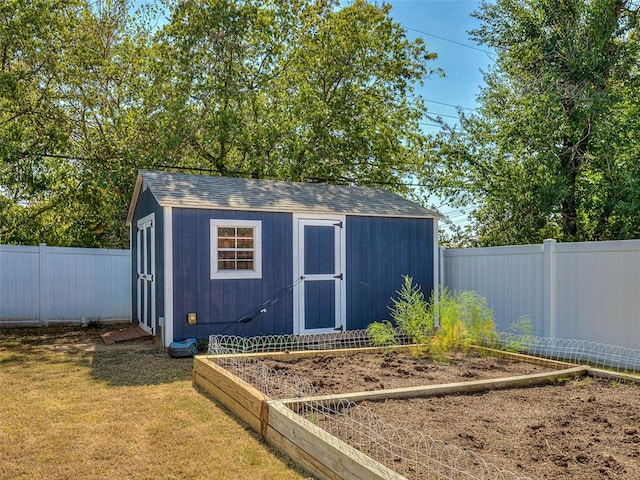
[(19, 283), (587, 291), (510, 278), (598, 292), (42, 285)]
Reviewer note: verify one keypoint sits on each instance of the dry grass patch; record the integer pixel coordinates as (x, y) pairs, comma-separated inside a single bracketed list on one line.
[(72, 408)]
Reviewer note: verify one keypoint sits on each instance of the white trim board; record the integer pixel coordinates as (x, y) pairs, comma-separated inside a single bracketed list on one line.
[(167, 223), (297, 290)]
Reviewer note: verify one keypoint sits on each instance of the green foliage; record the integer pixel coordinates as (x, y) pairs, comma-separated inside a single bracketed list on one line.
[(382, 333), (92, 91), (411, 313), (552, 150), (464, 319)]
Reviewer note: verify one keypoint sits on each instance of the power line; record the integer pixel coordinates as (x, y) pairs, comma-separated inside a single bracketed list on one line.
[(449, 105), (413, 97), (427, 124), (437, 114), (449, 40)]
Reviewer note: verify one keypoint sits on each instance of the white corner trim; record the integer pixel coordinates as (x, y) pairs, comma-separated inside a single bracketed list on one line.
[(167, 223)]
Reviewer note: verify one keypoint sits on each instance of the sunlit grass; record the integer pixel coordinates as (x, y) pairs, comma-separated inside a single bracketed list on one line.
[(72, 408)]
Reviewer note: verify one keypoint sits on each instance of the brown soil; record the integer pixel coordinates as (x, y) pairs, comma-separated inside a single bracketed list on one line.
[(363, 372), (587, 429)]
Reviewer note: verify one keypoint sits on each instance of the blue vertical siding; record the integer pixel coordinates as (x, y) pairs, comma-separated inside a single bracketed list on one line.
[(145, 205), (379, 251), (220, 305)]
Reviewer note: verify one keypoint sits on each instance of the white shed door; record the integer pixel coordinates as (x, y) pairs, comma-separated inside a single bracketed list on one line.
[(319, 296), (146, 291)]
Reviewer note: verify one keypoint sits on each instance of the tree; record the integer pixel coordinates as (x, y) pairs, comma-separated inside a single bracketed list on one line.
[(104, 87), (548, 153), (70, 94), (32, 122), (307, 91), (91, 91)]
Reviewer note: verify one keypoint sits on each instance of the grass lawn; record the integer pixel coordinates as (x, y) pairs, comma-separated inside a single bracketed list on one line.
[(73, 408)]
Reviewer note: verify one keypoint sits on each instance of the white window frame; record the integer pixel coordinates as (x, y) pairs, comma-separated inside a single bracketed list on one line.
[(257, 249)]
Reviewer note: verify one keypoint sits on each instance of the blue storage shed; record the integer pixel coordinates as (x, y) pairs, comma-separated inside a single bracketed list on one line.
[(257, 257)]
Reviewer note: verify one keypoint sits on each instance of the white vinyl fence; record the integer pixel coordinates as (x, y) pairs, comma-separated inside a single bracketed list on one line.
[(44, 285), (586, 291)]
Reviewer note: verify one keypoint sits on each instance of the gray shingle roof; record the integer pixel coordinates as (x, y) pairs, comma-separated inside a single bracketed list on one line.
[(202, 191)]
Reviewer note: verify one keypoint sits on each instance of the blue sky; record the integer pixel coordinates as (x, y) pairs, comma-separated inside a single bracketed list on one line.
[(445, 24)]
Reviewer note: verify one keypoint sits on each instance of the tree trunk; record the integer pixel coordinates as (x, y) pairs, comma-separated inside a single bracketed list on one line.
[(572, 158)]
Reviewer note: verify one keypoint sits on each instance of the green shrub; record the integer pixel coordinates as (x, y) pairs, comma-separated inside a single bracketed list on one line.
[(410, 314), (464, 319), (382, 333)]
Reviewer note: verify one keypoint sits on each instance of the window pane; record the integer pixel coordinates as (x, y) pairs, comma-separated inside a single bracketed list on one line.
[(234, 248), (226, 265), (226, 243), (246, 232), (245, 243), (226, 232)]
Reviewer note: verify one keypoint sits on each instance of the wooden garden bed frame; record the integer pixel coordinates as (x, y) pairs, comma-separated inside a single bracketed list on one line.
[(317, 451)]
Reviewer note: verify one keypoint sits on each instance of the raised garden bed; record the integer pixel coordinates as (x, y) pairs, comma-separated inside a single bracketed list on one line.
[(469, 422), (583, 429)]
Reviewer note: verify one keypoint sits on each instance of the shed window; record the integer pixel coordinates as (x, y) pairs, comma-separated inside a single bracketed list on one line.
[(236, 249)]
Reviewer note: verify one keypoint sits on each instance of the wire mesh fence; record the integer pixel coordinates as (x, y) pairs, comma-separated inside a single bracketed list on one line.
[(412, 454), (225, 344), (582, 352)]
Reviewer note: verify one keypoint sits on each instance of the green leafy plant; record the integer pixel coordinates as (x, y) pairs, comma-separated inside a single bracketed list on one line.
[(382, 333), (410, 314), (463, 319)]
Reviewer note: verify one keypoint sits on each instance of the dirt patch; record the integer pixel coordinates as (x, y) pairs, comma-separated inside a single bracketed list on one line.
[(66, 339), (586, 429), (363, 372)]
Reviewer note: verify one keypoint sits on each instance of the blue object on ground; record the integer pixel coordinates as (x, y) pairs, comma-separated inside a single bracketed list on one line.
[(185, 348)]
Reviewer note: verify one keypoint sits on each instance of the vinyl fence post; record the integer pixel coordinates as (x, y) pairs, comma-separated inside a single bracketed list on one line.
[(42, 283), (441, 266), (436, 272), (549, 287)]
